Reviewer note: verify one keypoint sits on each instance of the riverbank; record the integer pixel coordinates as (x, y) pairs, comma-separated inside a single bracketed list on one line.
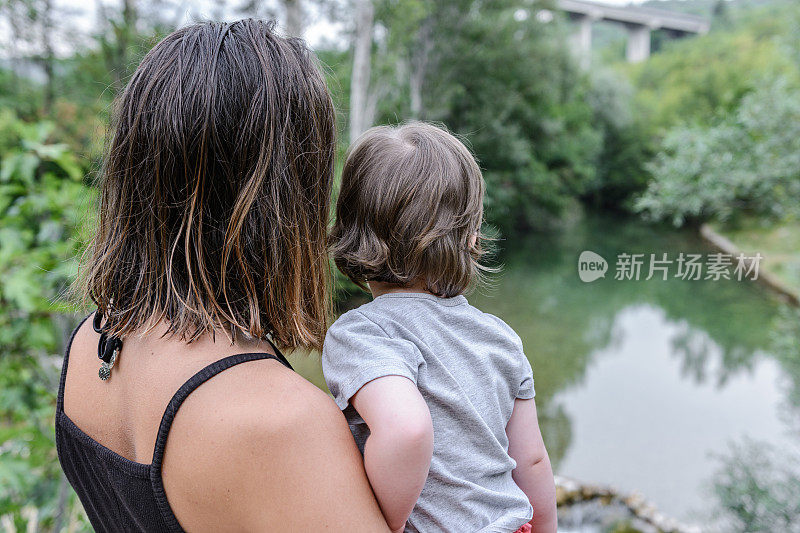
[(588, 508), (778, 244)]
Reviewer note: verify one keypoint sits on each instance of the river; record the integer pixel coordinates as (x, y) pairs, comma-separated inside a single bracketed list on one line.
[(641, 384)]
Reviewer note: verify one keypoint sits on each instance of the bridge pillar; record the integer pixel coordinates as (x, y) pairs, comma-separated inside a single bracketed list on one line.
[(582, 38), (638, 43)]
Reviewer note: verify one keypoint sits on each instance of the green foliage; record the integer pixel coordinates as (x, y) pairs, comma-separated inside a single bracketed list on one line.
[(42, 201), (785, 336), (521, 102), (758, 489), (620, 166), (545, 132), (726, 108), (749, 161), (702, 79), (12, 87)]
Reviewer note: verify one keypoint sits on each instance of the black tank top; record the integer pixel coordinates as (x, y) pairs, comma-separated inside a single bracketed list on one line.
[(117, 493)]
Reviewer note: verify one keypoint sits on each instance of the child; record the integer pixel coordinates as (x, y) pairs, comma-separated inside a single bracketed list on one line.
[(439, 395)]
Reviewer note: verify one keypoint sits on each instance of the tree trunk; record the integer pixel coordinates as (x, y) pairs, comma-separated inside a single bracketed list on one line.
[(128, 30), (16, 23), (419, 66), (359, 84), (47, 55), (61, 506), (115, 48), (293, 9)]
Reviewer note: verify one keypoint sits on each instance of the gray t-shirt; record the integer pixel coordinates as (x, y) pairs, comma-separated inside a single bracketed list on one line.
[(469, 367)]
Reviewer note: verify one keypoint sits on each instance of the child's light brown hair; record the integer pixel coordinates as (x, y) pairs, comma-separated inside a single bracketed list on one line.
[(410, 210)]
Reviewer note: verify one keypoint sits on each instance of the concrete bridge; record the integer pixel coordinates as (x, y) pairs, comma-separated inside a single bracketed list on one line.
[(639, 21)]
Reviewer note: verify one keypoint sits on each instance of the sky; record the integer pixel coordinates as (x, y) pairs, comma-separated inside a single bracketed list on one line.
[(318, 32), (80, 17), (83, 13)]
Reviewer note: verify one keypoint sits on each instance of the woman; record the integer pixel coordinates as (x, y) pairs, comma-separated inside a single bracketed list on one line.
[(210, 246)]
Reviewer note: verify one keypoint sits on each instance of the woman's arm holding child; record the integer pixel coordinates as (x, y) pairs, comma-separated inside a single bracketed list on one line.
[(533, 473), (397, 454)]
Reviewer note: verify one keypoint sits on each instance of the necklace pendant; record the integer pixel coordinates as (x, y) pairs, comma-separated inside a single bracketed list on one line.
[(105, 368)]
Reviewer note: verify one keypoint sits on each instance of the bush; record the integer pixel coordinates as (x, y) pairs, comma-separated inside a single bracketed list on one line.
[(521, 102), (620, 172), (41, 199), (702, 79), (758, 489), (749, 161)]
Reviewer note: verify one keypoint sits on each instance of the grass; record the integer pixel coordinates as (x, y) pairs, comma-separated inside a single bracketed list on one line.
[(779, 243)]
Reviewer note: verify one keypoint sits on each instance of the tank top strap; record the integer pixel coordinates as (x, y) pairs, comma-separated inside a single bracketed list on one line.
[(172, 409), (64, 364)]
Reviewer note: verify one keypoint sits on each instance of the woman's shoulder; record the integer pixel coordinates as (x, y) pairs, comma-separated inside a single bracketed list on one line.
[(258, 398), (261, 443), (250, 407)]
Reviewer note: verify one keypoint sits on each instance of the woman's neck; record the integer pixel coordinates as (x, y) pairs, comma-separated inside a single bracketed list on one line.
[(218, 343)]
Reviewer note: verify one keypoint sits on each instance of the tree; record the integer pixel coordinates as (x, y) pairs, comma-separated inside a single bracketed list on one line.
[(33, 32), (295, 17), (362, 106), (116, 40), (748, 162), (42, 204), (721, 14), (509, 85), (698, 80), (420, 58), (47, 54)]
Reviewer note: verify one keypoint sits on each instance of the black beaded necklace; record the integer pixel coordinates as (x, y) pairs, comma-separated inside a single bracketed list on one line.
[(108, 347)]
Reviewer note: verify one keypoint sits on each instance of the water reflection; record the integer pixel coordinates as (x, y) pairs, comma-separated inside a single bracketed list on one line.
[(638, 381)]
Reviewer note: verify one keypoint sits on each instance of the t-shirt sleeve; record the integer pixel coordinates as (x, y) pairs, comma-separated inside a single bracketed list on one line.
[(357, 350), (519, 371), (526, 390), (524, 372)]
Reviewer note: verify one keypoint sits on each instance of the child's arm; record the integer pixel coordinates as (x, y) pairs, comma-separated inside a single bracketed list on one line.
[(398, 452), (533, 473)]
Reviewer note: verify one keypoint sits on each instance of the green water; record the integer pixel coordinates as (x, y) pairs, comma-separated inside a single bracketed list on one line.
[(640, 383)]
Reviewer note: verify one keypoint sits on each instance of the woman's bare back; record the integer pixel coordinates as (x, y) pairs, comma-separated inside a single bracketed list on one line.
[(256, 447)]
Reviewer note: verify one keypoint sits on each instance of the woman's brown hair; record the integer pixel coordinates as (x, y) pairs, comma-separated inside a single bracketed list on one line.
[(215, 191), (410, 210)]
